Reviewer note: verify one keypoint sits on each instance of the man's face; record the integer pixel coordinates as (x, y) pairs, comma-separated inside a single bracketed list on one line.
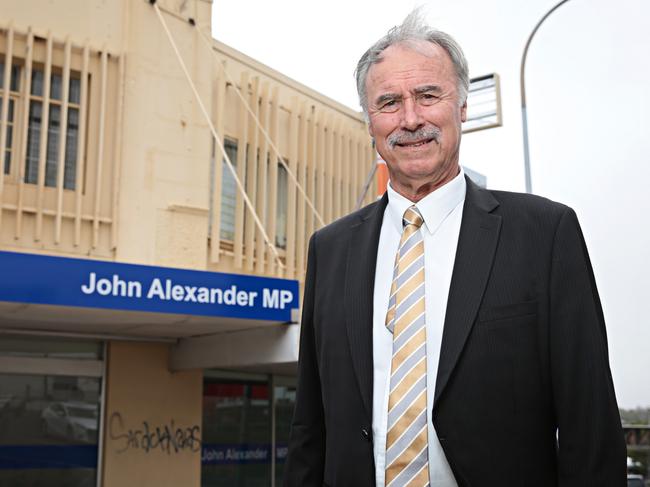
[(415, 116)]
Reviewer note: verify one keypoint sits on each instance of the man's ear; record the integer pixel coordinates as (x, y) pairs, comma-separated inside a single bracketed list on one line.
[(463, 112), (370, 130)]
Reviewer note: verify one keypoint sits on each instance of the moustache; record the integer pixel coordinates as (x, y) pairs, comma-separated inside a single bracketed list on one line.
[(421, 134)]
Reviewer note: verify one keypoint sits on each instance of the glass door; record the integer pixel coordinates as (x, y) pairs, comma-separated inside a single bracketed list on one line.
[(246, 422), (236, 444)]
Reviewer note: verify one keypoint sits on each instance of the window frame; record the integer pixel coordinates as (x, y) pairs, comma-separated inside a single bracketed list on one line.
[(15, 143), (35, 99), (233, 144)]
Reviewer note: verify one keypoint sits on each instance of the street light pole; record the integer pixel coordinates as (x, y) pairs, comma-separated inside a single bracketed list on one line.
[(522, 85)]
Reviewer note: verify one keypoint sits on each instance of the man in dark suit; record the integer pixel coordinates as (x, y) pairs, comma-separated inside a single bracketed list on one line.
[(451, 335)]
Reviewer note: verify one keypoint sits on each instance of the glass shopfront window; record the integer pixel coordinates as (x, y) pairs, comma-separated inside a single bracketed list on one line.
[(237, 443), (236, 434), (49, 423)]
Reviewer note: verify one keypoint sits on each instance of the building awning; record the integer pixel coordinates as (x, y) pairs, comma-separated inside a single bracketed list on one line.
[(58, 294)]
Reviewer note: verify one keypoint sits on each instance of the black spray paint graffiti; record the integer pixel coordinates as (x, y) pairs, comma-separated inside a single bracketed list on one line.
[(167, 438)]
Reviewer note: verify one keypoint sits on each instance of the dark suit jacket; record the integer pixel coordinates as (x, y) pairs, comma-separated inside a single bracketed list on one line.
[(524, 353)]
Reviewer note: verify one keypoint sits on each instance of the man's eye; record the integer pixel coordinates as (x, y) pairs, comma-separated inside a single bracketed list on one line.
[(427, 98), (389, 105)]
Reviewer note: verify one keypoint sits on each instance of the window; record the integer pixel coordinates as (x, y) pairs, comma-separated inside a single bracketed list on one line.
[(240, 412), (228, 193), (229, 199), (36, 125), (13, 96), (49, 433), (53, 130), (281, 211), (236, 438)]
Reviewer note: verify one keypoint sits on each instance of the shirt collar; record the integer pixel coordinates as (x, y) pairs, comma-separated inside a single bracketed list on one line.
[(434, 207)]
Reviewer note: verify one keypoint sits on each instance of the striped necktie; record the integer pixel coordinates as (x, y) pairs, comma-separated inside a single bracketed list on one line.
[(406, 440)]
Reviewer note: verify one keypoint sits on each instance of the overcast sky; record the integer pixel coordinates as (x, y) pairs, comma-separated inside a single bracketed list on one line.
[(588, 78)]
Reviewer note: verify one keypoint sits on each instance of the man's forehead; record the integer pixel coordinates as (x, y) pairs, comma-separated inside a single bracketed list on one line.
[(417, 63), (420, 46)]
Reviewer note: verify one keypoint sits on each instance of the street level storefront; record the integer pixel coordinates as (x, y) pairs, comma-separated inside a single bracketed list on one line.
[(132, 400)]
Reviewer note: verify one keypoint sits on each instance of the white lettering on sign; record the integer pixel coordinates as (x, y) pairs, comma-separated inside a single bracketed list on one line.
[(276, 298), (167, 290), (114, 287)]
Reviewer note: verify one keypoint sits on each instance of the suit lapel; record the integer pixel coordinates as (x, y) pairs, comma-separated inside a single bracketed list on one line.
[(477, 242), (359, 293)]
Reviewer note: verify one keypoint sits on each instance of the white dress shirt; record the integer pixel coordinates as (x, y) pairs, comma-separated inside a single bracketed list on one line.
[(442, 212)]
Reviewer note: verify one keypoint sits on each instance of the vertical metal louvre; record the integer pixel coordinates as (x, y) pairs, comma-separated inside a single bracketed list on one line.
[(242, 149), (63, 132), (263, 163), (42, 155), (81, 146), (251, 173), (4, 123), (273, 180), (328, 163), (23, 133), (302, 180), (100, 148), (117, 158), (219, 97)]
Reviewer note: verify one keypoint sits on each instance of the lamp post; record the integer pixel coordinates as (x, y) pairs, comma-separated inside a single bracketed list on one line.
[(522, 85)]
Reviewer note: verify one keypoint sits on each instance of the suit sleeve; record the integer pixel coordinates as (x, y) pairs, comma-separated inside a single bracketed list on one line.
[(591, 450), (306, 456)]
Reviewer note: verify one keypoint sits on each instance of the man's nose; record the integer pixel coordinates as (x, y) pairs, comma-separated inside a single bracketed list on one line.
[(411, 118)]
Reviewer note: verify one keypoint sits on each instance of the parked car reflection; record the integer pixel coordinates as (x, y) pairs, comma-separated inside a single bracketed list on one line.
[(634, 480), (76, 421)]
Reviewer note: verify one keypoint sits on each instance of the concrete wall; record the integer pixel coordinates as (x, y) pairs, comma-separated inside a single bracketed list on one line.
[(99, 21), (153, 419), (163, 204)]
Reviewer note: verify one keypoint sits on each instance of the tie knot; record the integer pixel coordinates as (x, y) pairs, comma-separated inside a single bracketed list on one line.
[(412, 217)]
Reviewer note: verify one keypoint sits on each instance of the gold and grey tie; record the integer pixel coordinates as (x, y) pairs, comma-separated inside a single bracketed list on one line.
[(406, 440)]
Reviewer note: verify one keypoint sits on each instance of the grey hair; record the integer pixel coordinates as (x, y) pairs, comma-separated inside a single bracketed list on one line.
[(413, 28)]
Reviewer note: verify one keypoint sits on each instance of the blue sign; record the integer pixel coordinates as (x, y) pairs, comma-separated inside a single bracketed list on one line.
[(39, 279), (23, 457)]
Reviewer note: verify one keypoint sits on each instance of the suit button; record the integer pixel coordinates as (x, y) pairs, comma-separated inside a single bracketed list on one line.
[(365, 433)]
